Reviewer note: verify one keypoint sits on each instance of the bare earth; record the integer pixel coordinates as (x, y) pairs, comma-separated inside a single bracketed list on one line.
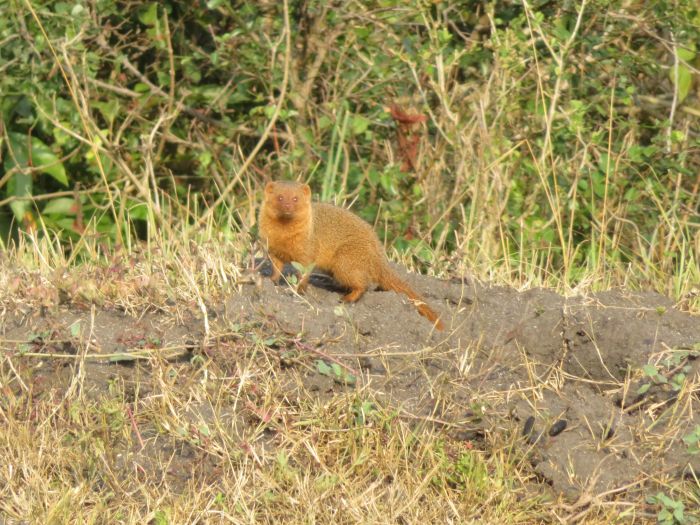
[(556, 379)]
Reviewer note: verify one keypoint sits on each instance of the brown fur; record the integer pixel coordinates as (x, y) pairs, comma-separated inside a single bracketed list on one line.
[(330, 238)]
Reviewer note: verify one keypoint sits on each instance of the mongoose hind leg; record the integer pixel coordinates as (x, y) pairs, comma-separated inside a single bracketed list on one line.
[(352, 276), (353, 295)]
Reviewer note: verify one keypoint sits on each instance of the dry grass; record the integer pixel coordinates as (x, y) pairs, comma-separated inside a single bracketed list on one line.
[(81, 464), (230, 436), (238, 444)]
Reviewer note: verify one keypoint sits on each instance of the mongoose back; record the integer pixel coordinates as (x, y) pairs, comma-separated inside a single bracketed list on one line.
[(332, 239)]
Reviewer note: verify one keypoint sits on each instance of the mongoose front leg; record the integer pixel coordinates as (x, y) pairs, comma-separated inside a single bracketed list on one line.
[(303, 283), (277, 265)]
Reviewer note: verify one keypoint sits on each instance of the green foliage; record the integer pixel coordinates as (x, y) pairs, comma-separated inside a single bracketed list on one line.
[(363, 412), (692, 440), (677, 361), (463, 470), (546, 137), (160, 517), (672, 511), (681, 75), (335, 372)]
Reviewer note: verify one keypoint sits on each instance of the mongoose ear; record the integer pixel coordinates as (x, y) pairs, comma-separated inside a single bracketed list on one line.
[(307, 190), (269, 187)]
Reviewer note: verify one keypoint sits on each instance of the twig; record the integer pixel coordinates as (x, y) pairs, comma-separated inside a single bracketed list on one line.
[(674, 103), (134, 426), (47, 196), (128, 354), (171, 97), (17, 375)]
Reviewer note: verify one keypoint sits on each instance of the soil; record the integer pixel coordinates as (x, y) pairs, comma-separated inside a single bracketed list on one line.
[(557, 379)]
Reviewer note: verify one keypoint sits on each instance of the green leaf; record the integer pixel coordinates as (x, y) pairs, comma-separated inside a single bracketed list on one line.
[(636, 154), (149, 14), (604, 164), (692, 440), (60, 206), (64, 223), (444, 35), (75, 329), (323, 367), (685, 80), (679, 378), (687, 52), (336, 372), (160, 518), (324, 122), (44, 159), (205, 158), (644, 388), (109, 109), (20, 185), (140, 87), (362, 411), (359, 124), (664, 515), (138, 210), (650, 370), (34, 154), (561, 33)]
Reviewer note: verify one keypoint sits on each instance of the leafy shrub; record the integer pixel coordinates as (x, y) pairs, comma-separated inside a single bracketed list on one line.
[(564, 135)]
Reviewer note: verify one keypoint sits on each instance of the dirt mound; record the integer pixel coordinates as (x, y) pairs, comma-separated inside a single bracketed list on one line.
[(559, 379)]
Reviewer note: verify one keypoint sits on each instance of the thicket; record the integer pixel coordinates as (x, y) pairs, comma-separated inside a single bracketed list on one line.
[(554, 138)]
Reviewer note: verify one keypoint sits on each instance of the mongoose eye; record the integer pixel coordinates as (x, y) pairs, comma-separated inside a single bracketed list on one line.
[(279, 198), (296, 199)]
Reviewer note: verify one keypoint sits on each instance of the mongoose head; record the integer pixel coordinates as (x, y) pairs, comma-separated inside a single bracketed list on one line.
[(287, 200)]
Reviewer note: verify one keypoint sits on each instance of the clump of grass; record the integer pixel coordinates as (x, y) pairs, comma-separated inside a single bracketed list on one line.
[(228, 439), (233, 434)]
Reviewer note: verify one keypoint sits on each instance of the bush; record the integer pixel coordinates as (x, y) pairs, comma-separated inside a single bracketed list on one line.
[(560, 135)]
